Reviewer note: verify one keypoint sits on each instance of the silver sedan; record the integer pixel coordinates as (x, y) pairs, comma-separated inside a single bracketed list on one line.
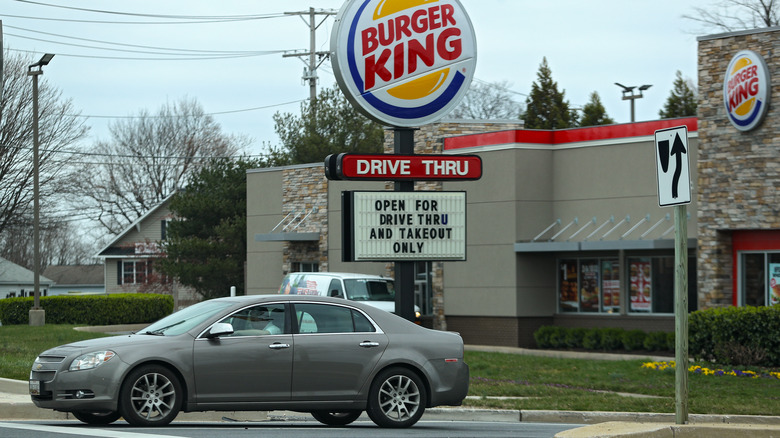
[(331, 358)]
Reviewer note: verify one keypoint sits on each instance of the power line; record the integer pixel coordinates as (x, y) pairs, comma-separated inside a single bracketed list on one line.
[(217, 113), (73, 20), (123, 58), (189, 51), (134, 14)]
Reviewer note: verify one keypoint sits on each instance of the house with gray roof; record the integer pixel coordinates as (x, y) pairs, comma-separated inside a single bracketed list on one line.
[(17, 281)]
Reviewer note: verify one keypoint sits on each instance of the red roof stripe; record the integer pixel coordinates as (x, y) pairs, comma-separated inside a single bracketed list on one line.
[(563, 136)]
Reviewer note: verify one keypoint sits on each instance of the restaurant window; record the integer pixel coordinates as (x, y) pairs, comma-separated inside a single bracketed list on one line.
[(651, 284), (423, 295), (589, 285), (759, 278), (597, 285), (305, 267)]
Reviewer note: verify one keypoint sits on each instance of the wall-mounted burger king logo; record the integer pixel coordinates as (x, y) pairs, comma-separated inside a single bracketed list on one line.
[(746, 90), (403, 63)]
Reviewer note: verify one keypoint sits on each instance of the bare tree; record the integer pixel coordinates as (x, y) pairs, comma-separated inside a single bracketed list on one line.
[(59, 127), (486, 100), (148, 158), (60, 245), (733, 15)]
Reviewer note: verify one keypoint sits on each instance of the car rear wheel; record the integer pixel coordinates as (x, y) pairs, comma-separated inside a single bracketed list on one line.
[(336, 418), (397, 398), (99, 418), (151, 396)]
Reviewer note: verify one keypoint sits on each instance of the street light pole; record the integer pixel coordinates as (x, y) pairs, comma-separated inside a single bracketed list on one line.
[(37, 315), (628, 94)]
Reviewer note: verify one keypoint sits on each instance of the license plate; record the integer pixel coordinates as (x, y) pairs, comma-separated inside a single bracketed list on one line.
[(35, 387)]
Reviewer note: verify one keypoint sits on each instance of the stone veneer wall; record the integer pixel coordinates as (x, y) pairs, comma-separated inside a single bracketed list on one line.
[(306, 188), (739, 172), (430, 140)]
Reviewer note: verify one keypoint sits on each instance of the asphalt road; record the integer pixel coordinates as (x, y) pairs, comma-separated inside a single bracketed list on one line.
[(302, 429)]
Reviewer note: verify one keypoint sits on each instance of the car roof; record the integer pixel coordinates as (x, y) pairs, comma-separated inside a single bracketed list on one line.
[(249, 299), (342, 275)]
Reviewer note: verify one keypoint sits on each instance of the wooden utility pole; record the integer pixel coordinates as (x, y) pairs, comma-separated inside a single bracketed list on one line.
[(681, 313), (315, 58)]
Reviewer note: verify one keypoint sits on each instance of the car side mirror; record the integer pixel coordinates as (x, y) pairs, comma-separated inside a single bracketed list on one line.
[(220, 329), (336, 293)]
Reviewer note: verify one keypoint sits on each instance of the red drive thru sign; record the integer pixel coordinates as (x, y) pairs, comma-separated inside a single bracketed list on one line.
[(386, 167)]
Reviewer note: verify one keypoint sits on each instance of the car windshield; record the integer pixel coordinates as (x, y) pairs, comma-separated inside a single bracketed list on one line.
[(369, 290), (185, 319)]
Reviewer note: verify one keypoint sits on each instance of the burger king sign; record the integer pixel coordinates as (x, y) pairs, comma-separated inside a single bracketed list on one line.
[(746, 90), (403, 63)]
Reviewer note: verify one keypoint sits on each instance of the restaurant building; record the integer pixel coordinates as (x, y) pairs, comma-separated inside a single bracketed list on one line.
[(564, 227)]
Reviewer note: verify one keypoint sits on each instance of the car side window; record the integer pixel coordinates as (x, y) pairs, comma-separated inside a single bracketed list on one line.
[(325, 318), (267, 319), (362, 324)]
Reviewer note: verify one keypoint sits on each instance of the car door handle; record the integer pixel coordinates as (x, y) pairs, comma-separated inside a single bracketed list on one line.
[(278, 346), (369, 344)]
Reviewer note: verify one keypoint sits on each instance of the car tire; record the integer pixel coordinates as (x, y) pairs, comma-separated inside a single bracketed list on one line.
[(97, 418), (150, 396), (336, 418), (397, 398)]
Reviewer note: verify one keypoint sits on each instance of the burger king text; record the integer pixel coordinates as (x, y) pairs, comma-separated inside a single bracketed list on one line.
[(412, 39), (743, 85)]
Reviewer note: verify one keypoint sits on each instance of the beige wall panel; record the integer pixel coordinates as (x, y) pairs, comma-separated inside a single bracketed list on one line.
[(491, 265), (264, 270), (486, 300), (264, 192)]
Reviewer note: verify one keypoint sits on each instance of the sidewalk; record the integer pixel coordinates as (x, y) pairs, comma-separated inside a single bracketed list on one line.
[(15, 404)]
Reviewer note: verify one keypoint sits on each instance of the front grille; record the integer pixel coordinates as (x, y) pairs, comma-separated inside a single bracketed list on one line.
[(50, 359), (43, 376)]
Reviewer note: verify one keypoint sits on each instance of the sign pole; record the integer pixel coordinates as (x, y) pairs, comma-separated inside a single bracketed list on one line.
[(403, 143), (674, 189), (681, 312)]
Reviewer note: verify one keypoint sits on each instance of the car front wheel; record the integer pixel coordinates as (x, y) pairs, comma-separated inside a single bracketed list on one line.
[(98, 418), (150, 396), (336, 418), (397, 398)]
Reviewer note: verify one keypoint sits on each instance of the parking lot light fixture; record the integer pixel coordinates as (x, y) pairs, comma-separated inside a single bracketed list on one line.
[(36, 314)]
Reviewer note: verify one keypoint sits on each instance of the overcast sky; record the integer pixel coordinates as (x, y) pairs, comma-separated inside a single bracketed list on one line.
[(589, 46)]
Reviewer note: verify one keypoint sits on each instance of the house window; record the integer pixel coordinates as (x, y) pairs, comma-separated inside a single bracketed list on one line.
[(134, 271)]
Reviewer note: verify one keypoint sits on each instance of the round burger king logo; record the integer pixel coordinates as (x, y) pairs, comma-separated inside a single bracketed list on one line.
[(746, 90), (403, 62)]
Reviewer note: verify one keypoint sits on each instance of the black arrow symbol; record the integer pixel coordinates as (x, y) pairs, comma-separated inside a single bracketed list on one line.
[(678, 149)]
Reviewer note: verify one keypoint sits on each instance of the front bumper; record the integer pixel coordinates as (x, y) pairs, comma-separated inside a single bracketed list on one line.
[(93, 390)]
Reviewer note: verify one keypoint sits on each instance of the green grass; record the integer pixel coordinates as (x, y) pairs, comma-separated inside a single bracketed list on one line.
[(21, 344), (579, 384), (532, 382)]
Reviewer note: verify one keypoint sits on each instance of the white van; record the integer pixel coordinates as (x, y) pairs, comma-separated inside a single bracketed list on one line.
[(371, 289)]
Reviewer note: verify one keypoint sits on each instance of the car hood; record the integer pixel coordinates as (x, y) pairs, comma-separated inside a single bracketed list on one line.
[(113, 343)]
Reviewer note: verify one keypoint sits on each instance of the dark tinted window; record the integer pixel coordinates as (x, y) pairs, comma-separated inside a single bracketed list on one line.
[(324, 318), (362, 324)]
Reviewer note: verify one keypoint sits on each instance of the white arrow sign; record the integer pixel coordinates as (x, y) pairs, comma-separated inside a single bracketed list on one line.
[(673, 175)]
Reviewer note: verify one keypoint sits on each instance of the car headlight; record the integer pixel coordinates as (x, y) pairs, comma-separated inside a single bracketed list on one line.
[(91, 360)]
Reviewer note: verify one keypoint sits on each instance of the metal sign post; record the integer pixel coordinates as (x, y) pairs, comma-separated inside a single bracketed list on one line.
[(674, 189), (403, 143)]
